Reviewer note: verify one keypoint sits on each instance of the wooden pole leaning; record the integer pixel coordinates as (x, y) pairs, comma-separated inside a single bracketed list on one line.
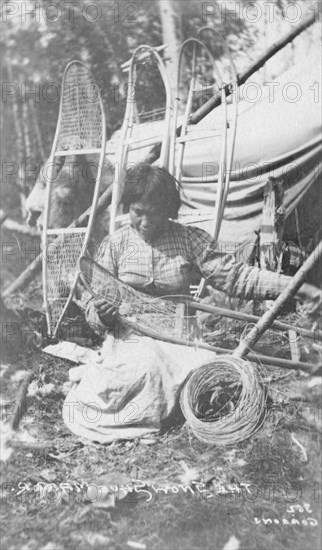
[(269, 317)]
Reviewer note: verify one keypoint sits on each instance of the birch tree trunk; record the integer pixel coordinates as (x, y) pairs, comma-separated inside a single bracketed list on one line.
[(171, 35)]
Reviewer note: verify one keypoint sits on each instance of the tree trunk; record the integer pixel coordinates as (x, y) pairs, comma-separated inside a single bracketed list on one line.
[(39, 140), (171, 37), (16, 115)]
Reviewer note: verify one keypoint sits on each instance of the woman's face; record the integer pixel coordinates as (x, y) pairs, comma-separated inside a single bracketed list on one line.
[(148, 219)]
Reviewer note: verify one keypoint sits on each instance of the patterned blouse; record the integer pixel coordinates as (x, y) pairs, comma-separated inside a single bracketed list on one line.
[(169, 265)]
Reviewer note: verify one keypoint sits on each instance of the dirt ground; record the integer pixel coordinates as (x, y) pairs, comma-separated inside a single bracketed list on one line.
[(169, 491)]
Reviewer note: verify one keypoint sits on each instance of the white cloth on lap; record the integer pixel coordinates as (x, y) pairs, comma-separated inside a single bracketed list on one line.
[(132, 391)]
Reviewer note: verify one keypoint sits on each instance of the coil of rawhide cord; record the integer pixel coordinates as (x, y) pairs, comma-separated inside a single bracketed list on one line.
[(224, 402)]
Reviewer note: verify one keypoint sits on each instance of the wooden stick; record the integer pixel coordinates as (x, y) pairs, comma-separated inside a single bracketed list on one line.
[(265, 322), (21, 402), (3, 217), (315, 335), (254, 357), (215, 101), (295, 350), (12, 225), (272, 225)]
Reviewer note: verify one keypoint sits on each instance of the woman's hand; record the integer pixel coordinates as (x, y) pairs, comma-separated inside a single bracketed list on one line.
[(105, 311)]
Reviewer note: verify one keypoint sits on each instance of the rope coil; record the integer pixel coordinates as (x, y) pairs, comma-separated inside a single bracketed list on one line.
[(224, 401)]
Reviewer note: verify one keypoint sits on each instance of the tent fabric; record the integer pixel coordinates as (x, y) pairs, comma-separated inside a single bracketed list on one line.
[(243, 210), (278, 135)]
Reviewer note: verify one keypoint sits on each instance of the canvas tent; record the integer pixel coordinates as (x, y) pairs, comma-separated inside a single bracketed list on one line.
[(278, 134)]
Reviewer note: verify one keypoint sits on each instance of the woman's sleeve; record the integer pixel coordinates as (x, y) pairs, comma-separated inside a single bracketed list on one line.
[(106, 256), (223, 272)]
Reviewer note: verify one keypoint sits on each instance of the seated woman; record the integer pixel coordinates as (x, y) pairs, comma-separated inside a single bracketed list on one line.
[(134, 389)]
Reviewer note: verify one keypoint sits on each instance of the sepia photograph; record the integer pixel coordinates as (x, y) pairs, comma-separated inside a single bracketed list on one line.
[(161, 262)]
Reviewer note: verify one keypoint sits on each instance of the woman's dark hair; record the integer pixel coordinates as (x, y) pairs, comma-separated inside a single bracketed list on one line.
[(144, 182)]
